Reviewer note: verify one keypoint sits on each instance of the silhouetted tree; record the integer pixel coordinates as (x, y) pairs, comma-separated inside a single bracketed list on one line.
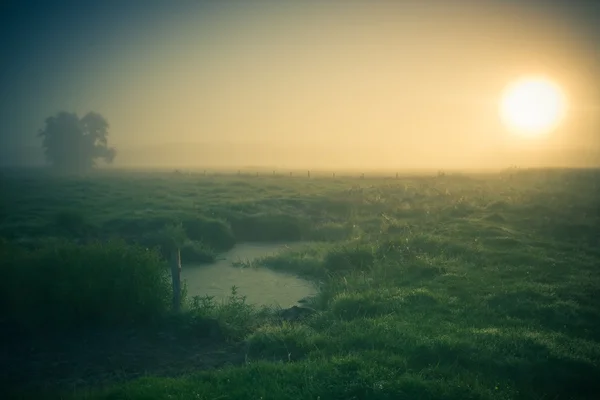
[(73, 143)]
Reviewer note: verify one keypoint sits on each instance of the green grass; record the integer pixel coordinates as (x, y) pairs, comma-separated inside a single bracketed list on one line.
[(446, 287), (62, 286)]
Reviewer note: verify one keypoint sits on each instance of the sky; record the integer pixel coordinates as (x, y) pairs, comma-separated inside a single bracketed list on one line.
[(293, 84)]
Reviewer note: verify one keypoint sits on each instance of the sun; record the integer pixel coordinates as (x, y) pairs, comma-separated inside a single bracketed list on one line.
[(532, 106)]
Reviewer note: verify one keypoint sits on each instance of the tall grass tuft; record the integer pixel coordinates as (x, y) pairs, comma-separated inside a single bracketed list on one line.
[(351, 257), (236, 317)]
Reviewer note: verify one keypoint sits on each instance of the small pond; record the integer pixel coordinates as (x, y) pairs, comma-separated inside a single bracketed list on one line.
[(261, 286)]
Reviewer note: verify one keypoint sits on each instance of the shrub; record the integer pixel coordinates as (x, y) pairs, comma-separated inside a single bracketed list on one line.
[(213, 232), (61, 285), (169, 237)]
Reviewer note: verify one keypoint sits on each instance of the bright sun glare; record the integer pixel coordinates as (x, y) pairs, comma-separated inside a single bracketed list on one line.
[(532, 106)]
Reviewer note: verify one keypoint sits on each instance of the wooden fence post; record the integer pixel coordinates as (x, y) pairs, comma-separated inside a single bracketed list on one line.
[(176, 276), (309, 174)]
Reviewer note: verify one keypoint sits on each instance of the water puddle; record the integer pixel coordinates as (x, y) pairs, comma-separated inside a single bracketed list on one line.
[(261, 286)]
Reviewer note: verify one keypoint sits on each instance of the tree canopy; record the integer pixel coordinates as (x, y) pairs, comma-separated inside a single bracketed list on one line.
[(74, 144)]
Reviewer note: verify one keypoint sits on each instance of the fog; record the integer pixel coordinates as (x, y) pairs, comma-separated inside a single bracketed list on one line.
[(319, 85)]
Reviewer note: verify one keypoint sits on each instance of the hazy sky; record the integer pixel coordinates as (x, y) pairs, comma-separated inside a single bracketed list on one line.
[(386, 83)]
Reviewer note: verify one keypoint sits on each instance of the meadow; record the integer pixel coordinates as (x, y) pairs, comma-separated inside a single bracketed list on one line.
[(432, 286)]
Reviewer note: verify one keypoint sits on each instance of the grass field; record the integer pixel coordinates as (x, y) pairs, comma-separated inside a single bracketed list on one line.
[(432, 286)]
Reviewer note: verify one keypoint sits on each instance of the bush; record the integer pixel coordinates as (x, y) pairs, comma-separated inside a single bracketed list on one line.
[(165, 239), (213, 232), (61, 285), (173, 236)]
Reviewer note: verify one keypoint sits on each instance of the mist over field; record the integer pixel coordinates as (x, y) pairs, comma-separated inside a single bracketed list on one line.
[(307, 85), (335, 157)]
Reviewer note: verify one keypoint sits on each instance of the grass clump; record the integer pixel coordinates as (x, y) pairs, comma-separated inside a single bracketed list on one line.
[(173, 236), (281, 342), (136, 227), (235, 317), (350, 257), (266, 227), (332, 231), (306, 261), (197, 252), (214, 233), (351, 305), (61, 285), (73, 224)]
